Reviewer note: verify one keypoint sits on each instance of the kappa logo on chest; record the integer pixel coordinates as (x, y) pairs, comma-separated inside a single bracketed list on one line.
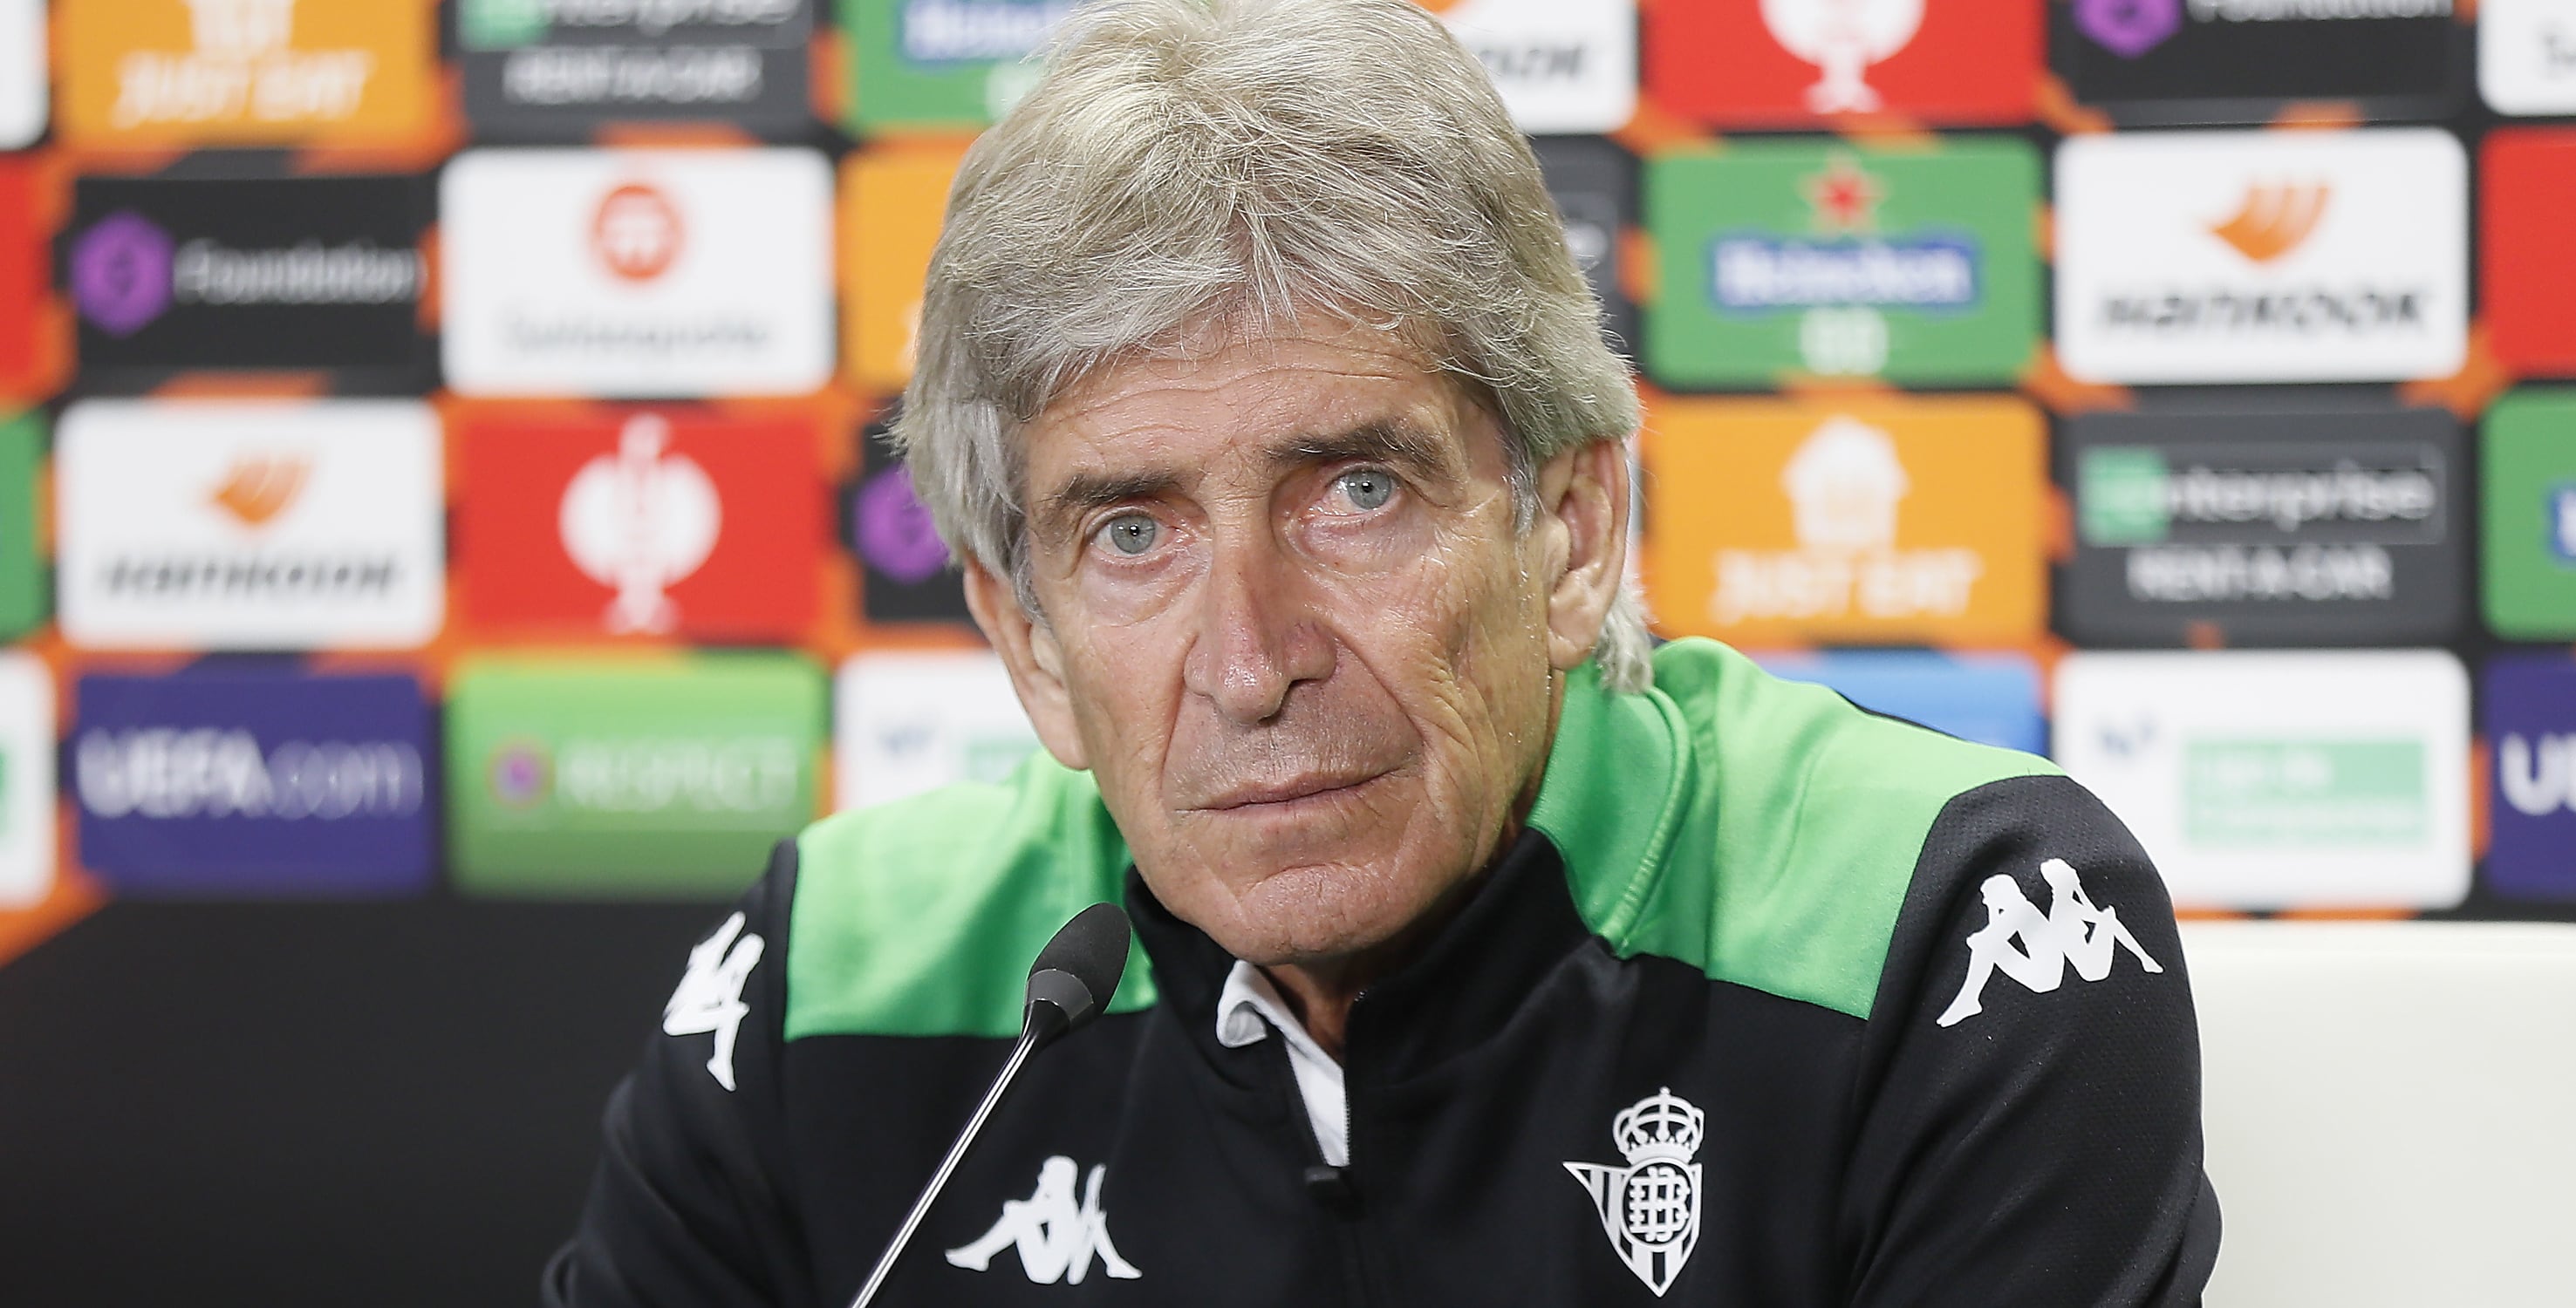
[(1057, 1237)]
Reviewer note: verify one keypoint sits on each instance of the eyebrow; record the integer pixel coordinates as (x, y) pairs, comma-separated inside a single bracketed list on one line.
[(1404, 444)]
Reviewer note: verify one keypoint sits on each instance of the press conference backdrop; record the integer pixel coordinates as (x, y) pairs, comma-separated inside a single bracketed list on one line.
[(443, 537)]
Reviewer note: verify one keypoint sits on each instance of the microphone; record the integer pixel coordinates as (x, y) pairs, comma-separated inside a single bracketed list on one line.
[(1069, 985)]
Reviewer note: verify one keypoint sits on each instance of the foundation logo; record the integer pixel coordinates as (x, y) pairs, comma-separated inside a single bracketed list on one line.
[(1842, 38), (2273, 220), (241, 782), (1797, 62), (1835, 261), (211, 525), (1650, 1208), (904, 567), (2236, 61), (245, 72), (2529, 716), (636, 232), (2319, 527), (640, 520), (641, 523), (2280, 780), (642, 273), (1791, 522), (2262, 256), (644, 777)]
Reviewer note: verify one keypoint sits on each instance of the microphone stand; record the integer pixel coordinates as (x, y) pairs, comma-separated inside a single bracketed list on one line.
[(1040, 1024)]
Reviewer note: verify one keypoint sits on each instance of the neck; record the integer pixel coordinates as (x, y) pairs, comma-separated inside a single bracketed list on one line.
[(1320, 992)]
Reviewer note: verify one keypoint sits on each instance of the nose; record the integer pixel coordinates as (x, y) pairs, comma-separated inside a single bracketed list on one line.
[(1257, 636)]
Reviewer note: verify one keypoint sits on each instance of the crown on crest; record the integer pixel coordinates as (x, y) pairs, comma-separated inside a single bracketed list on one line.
[(1661, 1126)]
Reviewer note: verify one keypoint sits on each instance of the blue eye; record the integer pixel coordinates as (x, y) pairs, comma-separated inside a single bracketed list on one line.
[(1131, 534), (1366, 488)]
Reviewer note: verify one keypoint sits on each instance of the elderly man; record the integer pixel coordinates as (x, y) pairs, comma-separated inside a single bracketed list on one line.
[(1488, 956)]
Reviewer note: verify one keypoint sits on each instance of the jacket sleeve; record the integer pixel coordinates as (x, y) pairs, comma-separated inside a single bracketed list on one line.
[(2027, 1115), (688, 1206)]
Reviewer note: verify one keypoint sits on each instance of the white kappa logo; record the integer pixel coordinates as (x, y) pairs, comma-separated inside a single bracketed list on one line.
[(1057, 1239), (709, 997), (2073, 931), (1650, 1208)]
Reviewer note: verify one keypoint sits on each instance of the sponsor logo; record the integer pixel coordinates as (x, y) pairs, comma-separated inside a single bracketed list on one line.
[(1594, 184), (668, 776), (2074, 931), (2179, 61), (904, 572), (210, 525), (567, 64), (709, 1001), (1992, 699), (2527, 56), (22, 561), (2128, 28), (1056, 1237), (1867, 523), (245, 71), (26, 779), (1793, 61), (1650, 1207), (1905, 266), (302, 273), (2527, 515), (2257, 257), (637, 273), (641, 523), (253, 782), (2276, 527), (2529, 716), (953, 31), (956, 63), (1560, 68), (2288, 780), (1842, 38), (22, 72), (910, 723)]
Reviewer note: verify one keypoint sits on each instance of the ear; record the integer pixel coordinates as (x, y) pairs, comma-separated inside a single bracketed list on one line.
[(1030, 654), (1583, 497)]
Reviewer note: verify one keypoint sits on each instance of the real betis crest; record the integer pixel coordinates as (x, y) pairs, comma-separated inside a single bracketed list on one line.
[(1650, 1208)]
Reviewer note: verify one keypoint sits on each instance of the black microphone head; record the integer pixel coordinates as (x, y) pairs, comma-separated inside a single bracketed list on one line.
[(1079, 970)]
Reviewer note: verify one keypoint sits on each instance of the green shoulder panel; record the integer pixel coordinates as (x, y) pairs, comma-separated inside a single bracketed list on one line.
[(1763, 831), (920, 917)]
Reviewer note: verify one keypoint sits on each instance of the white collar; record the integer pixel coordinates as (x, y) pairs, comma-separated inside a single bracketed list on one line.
[(1246, 1011)]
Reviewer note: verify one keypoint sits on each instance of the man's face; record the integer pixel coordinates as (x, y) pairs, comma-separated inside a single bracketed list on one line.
[(1291, 629)]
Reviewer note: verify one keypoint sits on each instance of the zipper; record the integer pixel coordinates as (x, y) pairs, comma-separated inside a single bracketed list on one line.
[(1332, 1189)]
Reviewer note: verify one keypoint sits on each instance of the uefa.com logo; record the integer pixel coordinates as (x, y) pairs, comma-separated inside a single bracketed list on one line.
[(2262, 256)]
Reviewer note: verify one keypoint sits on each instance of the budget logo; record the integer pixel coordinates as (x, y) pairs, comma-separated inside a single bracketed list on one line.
[(1992, 699), (2527, 515), (648, 778), (23, 597), (909, 723), (942, 63), (221, 782), (640, 522), (2308, 526), (1784, 522), (307, 274), (22, 72), (563, 70), (2280, 780), (245, 72), (643, 273), (2527, 56), (26, 779), (1560, 68), (2527, 186), (2239, 61), (1794, 258), (2262, 256), (904, 572), (1794, 62), (2529, 720), (250, 525)]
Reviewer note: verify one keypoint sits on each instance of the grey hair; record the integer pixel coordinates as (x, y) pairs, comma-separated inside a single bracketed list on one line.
[(1180, 165)]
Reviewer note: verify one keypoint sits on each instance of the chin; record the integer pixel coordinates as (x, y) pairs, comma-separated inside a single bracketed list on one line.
[(1324, 911)]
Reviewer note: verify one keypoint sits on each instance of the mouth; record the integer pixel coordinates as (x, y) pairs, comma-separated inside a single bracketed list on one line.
[(1289, 794)]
